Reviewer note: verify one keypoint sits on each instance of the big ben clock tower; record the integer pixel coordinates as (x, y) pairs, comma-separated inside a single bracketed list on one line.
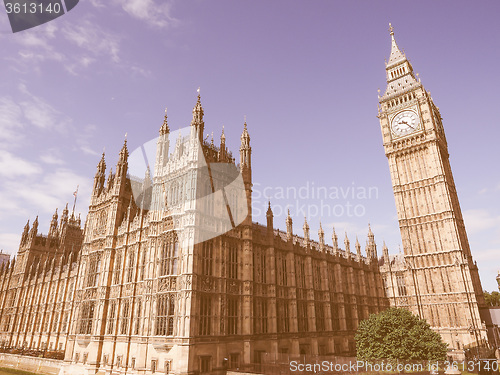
[(436, 278)]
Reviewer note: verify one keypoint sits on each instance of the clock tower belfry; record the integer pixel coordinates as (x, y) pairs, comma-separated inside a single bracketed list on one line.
[(437, 278)]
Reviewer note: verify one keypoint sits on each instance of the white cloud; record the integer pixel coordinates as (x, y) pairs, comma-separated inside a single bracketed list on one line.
[(155, 13), (94, 39), (28, 195), (9, 242), (84, 140), (478, 220), (41, 114), (12, 166), (52, 156), (11, 122)]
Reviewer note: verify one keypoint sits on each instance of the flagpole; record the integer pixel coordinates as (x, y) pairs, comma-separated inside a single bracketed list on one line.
[(74, 203)]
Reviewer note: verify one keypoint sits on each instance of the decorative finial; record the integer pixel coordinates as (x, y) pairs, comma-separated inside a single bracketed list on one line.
[(126, 137), (223, 136), (164, 129), (391, 29)]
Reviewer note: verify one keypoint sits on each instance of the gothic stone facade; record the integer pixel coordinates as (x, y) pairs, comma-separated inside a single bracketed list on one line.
[(151, 298), (436, 278), (160, 282), (37, 290)]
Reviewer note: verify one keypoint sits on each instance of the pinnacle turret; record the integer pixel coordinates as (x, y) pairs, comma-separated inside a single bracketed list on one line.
[(289, 226), (64, 216), (335, 242), (53, 224), (270, 219), (357, 246), (122, 165), (306, 232), (25, 232), (385, 252), (101, 167), (99, 176), (197, 123), (164, 129), (371, 247), (245, 149), (123, 156), (321, 237), (347, 246)]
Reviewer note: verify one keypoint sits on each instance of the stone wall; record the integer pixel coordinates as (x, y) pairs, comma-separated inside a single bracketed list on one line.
[(34, 364)]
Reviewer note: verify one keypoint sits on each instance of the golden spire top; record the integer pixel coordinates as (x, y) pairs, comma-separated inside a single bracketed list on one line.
[(391, 29)]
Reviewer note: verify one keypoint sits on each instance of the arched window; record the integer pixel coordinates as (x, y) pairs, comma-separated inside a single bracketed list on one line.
[(169, 257)]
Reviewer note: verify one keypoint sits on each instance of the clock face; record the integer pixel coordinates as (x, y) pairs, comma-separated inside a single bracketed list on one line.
[(404, 123)]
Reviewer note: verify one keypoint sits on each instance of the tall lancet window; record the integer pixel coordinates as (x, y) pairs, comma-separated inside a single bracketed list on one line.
[(207, 258), (130, 267), (165, 310), (169, 257), (94, 264)]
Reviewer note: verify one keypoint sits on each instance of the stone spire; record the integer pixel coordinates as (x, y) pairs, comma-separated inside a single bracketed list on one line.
[(122, 165), (34, 229), (164, 129), (335, 241), (321, 236), (101, 167), (396, 55), (25, 232), (162, 147), (306, 233), (371, 247), (245, 149), (399, 71), (222, 148), (64, 216), (357, 245), (347, 247), (197, 123), (53, 224), (123, 156), (109, 183), (289, 227), (100, 176), (385, 252), (270, 216)]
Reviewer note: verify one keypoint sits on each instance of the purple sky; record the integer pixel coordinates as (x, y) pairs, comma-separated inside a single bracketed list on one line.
[(306, 76)]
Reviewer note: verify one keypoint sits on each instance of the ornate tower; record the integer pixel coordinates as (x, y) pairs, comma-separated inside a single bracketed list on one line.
[(441, 281)]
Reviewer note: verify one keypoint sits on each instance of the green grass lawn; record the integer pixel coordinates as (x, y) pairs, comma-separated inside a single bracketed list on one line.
[(8, 371)]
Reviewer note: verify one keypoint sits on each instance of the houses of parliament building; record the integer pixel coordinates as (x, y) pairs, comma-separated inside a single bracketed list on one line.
[(169, 274)]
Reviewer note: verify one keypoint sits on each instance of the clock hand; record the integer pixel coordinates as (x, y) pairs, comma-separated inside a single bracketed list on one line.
[(404, 122)]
